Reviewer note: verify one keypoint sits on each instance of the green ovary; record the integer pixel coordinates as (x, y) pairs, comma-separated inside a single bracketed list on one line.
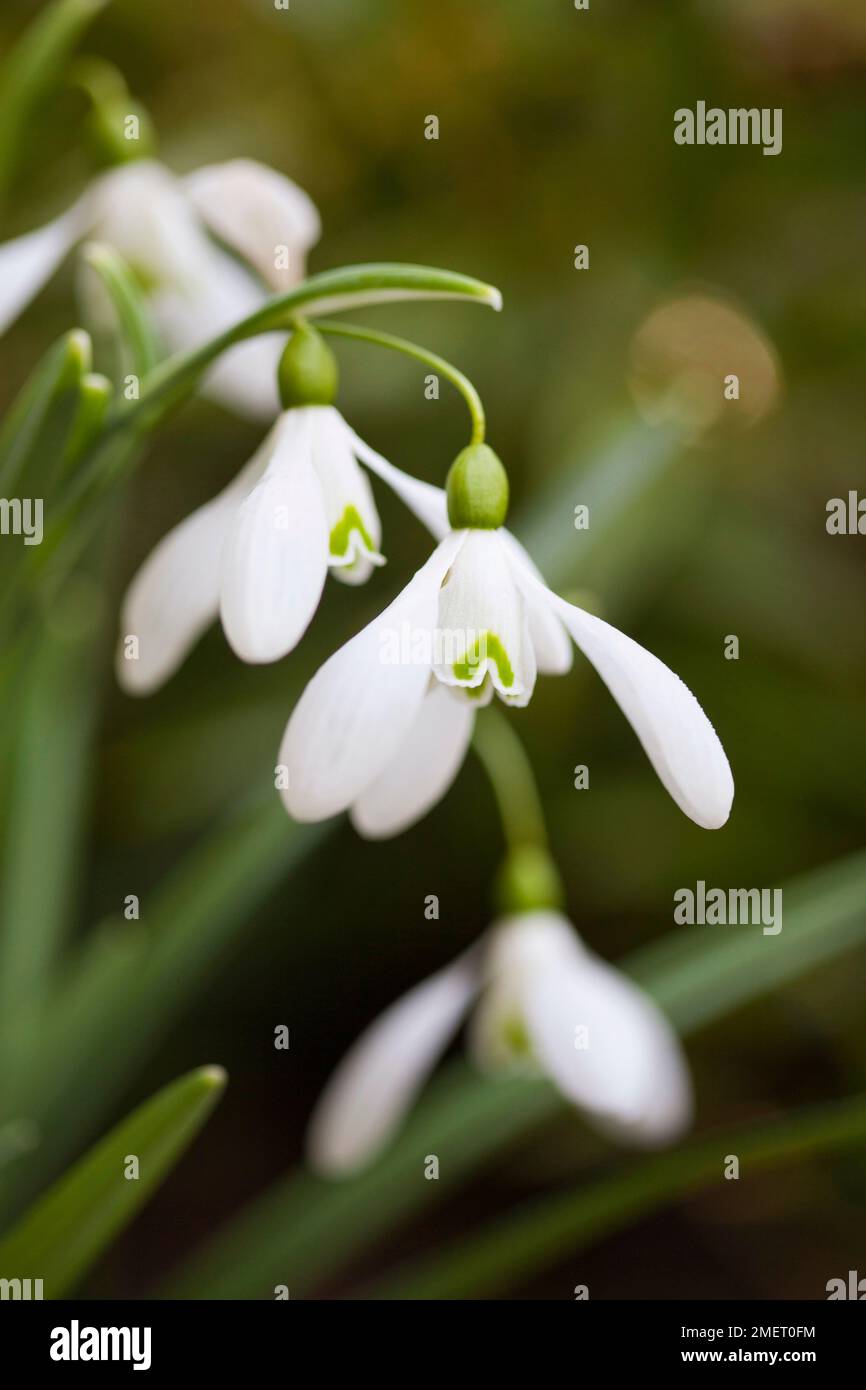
[(516, 1037), (341, 535), (487, 645)]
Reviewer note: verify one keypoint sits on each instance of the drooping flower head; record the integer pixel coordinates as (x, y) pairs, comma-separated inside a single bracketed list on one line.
[(382, 728), (166, 227), (258, 554), (545, 1005)]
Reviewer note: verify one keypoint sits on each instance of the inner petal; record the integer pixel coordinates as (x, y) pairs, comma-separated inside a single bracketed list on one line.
[(483, 634), (354, 529)]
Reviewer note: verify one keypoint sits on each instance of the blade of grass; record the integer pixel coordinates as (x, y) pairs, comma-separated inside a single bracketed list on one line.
[(538, 1234), (69, 1228)]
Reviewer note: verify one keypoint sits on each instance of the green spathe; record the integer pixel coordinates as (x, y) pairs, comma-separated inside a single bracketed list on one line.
[(477, 489), (308, 373)]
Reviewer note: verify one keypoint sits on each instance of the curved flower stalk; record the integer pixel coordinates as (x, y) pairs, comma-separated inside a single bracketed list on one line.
[(545, 1005), (165, 226), (258, 554), (382, 728)]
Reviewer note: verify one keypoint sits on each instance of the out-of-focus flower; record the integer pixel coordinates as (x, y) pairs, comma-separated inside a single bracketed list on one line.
[(195, 287), (547, 1006), (258, 554), (383, 726)]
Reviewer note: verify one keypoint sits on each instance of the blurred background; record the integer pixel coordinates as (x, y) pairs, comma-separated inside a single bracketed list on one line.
[(603, 387)]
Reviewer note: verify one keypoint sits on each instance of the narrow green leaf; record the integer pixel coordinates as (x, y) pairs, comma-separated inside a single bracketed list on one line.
[(536, 1236), (67, 1230), (33, 66), (43, 806), (52, 385)]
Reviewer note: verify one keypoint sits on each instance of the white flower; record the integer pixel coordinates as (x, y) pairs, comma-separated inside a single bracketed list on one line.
[(258, 553), (159, 224), (383, 726), (548, 1006)]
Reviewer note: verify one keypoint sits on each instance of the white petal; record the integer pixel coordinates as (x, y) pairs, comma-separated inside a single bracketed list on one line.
[(375, 1084), (175, 594), (550, 640), (358, 709), (421, 770), (258, 212), (354, 529), (676, 735), (142, 211), (275, 557), (424, 500), (196, 289), (28, 261), (483, 628), (602, 1040)]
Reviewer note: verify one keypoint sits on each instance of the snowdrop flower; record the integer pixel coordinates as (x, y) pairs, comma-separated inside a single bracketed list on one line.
[(547, 1006), (159, 224), (258, 554), (383, 727)]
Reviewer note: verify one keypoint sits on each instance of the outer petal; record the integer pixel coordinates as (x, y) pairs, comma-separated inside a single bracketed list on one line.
[(603, 1042), (175, 594), (255, 210), (354, 529), (550, 640), (275, 558), (421, 770), (482, 623), (28, 261), (676, 735), (374, 1085), (424, 500), (358, 709)]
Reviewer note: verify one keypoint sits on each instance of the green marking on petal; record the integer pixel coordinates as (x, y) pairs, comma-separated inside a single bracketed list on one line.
[(341, 535), (516, 1037), (487, 645)]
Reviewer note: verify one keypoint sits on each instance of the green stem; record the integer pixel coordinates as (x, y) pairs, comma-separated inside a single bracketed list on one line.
[(512, 779), (420, 354), (332, 291)]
